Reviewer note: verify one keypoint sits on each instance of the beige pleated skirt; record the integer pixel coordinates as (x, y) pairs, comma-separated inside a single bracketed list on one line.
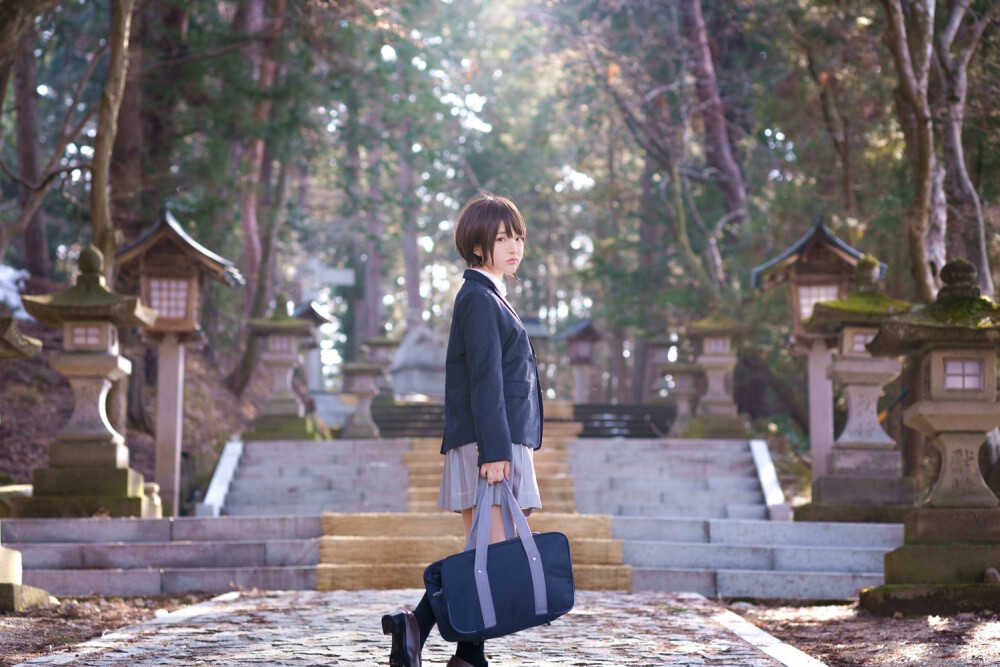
[(461, 474)]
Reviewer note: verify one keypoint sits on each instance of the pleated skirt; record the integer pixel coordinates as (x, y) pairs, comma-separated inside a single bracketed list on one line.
[(461, 474)]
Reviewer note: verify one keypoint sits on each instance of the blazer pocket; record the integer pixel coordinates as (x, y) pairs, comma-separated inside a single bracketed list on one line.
[(516, 388)]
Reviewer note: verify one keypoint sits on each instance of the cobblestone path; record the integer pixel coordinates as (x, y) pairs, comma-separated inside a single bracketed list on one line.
[(343, 628)]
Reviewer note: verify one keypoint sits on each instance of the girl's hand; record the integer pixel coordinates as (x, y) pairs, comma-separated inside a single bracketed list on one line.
[(495, 471)]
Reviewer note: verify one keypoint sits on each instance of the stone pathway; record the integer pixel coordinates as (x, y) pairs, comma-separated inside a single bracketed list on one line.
[(343, 628)]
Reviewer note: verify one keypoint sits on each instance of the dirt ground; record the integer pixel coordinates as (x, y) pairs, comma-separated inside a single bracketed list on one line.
[(838, 635)]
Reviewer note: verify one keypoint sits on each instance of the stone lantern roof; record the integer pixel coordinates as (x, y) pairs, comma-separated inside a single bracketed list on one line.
[(89, 299), (313, 312), (14, 344), (960, 317), (280, 323), (715, 325), (865, 305)]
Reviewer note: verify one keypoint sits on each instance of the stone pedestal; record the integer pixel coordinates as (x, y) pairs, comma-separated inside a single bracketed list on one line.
[(683, 392), (283, 415), (716, 415), (940, 568), (359, 381), (88, 473), (864, 482)]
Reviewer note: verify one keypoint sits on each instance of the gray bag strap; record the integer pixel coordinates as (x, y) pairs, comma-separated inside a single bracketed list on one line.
[(481, 534)]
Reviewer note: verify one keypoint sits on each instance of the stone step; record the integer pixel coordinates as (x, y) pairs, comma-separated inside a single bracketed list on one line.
[(641, 444), (755, 584), (542, 469), (308, 460), (710, 511), (596, 472), (432, 524), (745, 557), (269, 447), (388, 483), (188, 529), (174, 581), (667, 497), (282, 509), (360, 494), (385, 577), (137, 555), (368, 470), (344, 550), (728, 531), (549, 493), (561, 506), (714, 484)]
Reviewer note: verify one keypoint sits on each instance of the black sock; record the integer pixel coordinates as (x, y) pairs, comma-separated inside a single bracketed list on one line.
[(425, 618), (473, 653)]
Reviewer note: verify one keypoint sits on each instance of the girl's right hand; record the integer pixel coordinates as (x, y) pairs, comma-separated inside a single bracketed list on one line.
[(495, 471)]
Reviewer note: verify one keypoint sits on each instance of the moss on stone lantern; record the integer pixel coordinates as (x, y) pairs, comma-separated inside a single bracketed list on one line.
[(952, 539), (89, 472)]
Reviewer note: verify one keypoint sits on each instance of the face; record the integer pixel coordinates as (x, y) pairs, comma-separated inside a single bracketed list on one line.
[(508, 251)]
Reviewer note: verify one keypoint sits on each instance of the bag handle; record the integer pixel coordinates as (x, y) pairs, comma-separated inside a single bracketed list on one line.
[(481, 533)]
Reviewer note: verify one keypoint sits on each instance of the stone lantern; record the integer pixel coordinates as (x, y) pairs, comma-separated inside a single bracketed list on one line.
[(89, 469), (283, 415), (716, 414), (656, 361), (582, 338), (865, 481), (171, 268), (313, 366), (14, 595), (360, 380), (818, 267), (381, 351), (954, 537), (683, 389)]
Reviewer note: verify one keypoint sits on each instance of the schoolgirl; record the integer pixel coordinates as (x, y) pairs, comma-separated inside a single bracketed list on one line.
[(493, 401)]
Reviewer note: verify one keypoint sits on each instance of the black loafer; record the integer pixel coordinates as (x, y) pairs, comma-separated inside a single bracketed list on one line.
[(405, 631)]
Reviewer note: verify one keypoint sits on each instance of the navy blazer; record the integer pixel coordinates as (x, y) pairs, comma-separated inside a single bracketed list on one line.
[(492, 393)]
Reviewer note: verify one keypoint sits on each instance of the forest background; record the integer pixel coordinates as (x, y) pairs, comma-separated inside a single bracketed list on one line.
[(659, 150)]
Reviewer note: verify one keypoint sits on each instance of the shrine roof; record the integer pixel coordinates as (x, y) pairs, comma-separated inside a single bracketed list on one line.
[(819, 232), (216, 266)]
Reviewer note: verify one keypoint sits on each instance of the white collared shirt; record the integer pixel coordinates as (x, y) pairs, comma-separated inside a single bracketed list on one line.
[(496, 281)]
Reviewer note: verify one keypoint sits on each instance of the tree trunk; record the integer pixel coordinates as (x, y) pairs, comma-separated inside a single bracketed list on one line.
[(36, 247), (909, 36), (240, 377), (966, 237), (410, 207), (101, 225), (17, 16), (718, 151), (374, 287), (253, 155), (126, 157)]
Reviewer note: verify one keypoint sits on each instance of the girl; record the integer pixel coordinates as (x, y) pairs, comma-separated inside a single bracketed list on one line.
[(493, 401)]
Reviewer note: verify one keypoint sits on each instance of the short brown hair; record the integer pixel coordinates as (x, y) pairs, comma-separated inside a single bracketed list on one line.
[(479, 223)]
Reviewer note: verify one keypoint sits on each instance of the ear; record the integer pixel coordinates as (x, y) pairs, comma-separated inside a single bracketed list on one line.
[(477, 250)]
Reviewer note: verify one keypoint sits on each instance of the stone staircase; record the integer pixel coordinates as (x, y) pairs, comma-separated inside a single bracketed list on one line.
[(132, 557), (295, 478), (361, 551), (691, 514)]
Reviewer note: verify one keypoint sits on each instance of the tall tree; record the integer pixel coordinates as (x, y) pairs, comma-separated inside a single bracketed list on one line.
[(36, 247)]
